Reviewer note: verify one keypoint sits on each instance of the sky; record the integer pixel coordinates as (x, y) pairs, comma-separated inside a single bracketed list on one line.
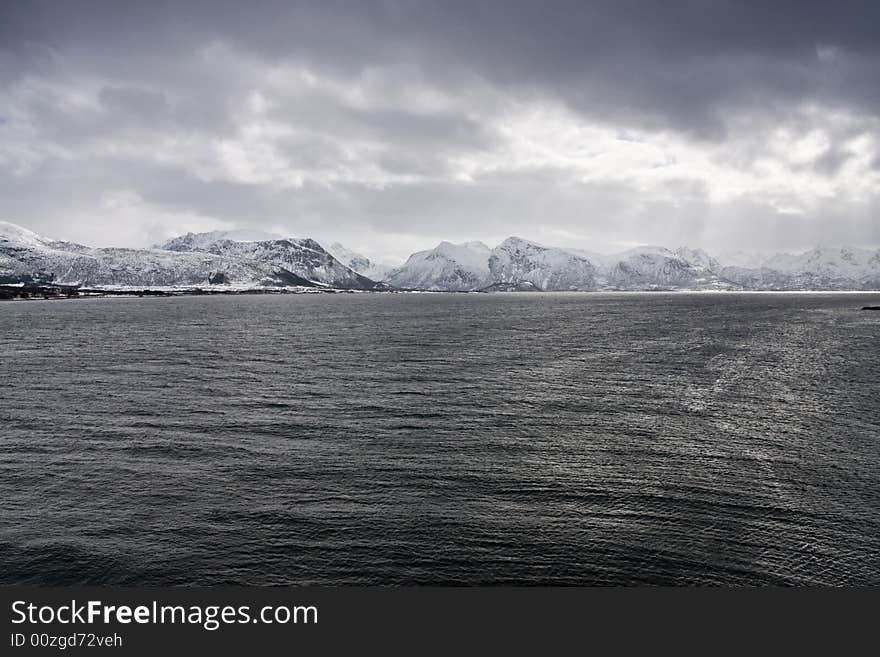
[(392, 125)]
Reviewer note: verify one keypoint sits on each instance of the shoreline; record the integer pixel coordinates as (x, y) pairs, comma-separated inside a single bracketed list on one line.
[(30, 292)]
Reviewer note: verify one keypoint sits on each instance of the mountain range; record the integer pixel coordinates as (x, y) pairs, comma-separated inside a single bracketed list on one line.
[(188, 261), (235, 259), (518, 264)]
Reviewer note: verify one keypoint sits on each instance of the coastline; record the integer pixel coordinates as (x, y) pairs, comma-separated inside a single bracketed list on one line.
[(34, 292)]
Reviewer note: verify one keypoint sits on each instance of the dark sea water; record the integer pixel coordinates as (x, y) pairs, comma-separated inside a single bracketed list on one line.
[(474, 439)]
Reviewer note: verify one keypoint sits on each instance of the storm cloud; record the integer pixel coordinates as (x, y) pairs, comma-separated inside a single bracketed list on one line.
[(391, 125)]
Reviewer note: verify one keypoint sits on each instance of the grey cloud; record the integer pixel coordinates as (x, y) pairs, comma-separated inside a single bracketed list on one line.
[(599, 216), (143, 104), (315, 152), (423, 164), (719, 74), (681, 65)]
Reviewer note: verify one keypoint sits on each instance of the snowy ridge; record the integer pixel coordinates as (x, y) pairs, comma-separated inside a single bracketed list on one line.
[(651, 268), (191, 260), (304, 258), (517, 264), (517, 261), (822, 268), (200, 241), (447, 267)]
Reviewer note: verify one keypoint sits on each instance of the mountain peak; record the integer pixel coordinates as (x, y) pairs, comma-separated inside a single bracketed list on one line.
[(196, 259), (461, 247), (195, 241), (10, 232), (519, 242), (448, 266), (517, 262)]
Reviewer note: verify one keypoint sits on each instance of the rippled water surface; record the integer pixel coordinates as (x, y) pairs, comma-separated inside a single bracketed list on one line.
[(507, 438)]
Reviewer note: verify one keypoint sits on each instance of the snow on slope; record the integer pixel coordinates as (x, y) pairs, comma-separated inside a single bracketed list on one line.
[(830, 262), (11, 234), (516, 264), (520, 264), (27, 256), (821, 268), (697, 258), (200, 241), (449, 267), (517, 261), (194, 260), (648, 268), (360, 263), (302, 257)]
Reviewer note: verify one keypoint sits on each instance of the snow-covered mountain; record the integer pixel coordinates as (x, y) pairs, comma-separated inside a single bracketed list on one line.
[(518, 264), (822, 268), (304, 258), (517, 261), (191, 260), (24, 255), (447, 267), (222, 257), (650, 268), (697, 258), (360, 263), (201, 241)]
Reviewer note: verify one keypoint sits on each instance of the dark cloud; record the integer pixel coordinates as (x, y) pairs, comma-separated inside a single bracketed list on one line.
[(405, 117), (144, 105), (679, 63)]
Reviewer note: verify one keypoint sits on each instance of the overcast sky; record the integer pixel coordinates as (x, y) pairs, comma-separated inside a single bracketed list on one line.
[(392, 125)]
